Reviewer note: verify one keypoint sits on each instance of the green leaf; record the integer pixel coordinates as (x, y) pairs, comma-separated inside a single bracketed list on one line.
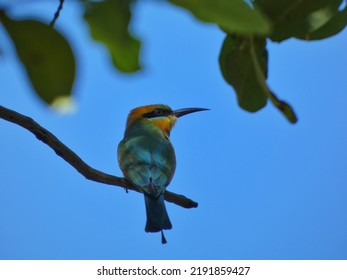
[(231, 15), (243, 61), (297, 18), (335, 25), (46, 56), (109, 24)]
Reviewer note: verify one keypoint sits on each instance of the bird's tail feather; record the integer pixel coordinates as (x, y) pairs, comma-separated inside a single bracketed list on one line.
[(157, 217)]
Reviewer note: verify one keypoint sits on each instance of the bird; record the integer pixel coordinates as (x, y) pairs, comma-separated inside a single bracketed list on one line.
[(147, 158)]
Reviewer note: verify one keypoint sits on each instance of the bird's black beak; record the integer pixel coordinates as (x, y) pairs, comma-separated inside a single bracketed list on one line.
[(181, 112)]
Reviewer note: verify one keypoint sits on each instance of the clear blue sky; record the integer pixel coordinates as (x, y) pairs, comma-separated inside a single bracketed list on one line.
[(266, 189)]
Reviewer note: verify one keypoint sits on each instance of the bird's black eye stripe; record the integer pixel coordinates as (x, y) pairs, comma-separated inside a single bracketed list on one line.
[(157, 113)]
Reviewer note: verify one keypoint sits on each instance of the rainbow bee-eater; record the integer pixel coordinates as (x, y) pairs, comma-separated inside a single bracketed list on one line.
[(147, 158)]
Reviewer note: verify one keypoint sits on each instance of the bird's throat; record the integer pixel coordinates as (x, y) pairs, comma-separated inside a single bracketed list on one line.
[(165, 124)]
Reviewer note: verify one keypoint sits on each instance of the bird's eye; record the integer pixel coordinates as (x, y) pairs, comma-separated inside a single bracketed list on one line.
[(158, 112)]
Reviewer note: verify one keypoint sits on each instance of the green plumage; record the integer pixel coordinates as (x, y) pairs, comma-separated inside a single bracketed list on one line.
[(147, 159)]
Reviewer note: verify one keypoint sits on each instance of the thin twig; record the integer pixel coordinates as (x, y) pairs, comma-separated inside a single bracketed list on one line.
[(74, 160), (57, 13)]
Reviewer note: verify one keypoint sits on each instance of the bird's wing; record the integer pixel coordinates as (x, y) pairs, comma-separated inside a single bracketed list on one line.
[(149, 168)]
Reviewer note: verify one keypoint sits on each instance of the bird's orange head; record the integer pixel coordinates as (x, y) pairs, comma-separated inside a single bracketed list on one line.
[(160, 115)]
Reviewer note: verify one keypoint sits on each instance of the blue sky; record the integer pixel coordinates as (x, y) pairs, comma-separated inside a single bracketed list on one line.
[(266, 189)]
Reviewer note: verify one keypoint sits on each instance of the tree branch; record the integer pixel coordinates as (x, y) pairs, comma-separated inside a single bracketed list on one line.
[(57, 13), (74, 160)]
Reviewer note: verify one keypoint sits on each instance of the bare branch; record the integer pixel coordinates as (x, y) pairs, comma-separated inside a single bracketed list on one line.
[(74, 160), (57, 13)]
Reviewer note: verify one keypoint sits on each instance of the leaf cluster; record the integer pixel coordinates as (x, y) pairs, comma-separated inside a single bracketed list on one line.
[(248, 26)]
